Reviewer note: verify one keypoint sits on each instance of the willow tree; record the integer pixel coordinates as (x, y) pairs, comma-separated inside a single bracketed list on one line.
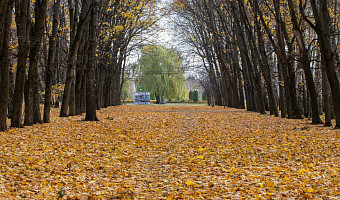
[(160, 72)]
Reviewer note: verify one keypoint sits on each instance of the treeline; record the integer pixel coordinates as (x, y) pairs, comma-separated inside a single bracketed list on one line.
[(272, 54), (74, 49)]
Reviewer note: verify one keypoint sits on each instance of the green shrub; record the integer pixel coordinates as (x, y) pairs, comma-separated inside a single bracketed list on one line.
[(195, 96), (190, 95), (204, 96)]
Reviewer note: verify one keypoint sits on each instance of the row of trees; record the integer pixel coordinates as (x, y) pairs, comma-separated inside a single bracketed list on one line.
[(271, 53), (79, 44)]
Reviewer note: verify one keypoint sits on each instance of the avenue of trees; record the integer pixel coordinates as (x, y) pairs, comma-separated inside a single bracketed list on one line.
[(268, 54), (276, 56), (159, 71), (69, 50)]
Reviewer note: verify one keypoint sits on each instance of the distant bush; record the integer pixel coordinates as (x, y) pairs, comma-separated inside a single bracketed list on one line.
[(190, 95), (195, 96), (204, 95)]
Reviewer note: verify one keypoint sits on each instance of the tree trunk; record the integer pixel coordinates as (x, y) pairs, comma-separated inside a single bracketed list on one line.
[(37, 31), (50, 62), (253, 67), (240, 88), (91, 105), (22, 9), (158, 99), (72, 101), (305, 62), (3, 13), (83, 94), (5, 35), (286, 62), (248, 80), (85, 14), (325, 96), (56, 79), (266, 72), (267, 75), (28, 112), (322, 20), (11, 94), (282, 93), (80, 71)]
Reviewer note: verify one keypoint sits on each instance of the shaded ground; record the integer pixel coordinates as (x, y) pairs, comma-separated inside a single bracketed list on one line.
[(171, 152)]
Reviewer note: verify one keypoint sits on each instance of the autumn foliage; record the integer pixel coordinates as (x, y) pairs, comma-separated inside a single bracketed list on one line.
[(170, 152)]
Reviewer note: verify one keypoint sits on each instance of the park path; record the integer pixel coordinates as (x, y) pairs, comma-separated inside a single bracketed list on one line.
[(171, 152)]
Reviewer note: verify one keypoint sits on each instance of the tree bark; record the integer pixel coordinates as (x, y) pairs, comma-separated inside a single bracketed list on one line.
[(91, 105), (85, 15), (325, 96), (282, 92), (33, 108), (22, 9), (286, 61), (253, 68), (11, 94), (80, 71), (322, 20), (266, 72), (28, 112), (51, 62), (5, 35), (305, 62)]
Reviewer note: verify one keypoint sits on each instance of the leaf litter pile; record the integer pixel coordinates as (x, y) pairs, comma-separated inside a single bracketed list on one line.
[(171, 152)]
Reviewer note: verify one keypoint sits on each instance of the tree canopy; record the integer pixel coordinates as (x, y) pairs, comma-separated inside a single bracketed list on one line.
[(160, 72)]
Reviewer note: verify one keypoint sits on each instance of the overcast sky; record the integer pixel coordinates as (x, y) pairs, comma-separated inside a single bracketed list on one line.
[(171, 38)]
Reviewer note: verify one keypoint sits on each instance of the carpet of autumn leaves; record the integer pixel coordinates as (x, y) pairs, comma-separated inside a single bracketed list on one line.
[(171, 152)]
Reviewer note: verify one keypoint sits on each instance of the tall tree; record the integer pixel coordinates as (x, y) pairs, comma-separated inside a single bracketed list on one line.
[(6, 8), (71, 63), (22, 18), (305, 62), (322, 28), (91, 105), (160, 72), (32, 96), (51, 61)]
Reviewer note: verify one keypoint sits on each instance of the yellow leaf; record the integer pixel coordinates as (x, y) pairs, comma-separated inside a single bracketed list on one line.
[(200, 157), (189, 183), (269, 184), (235, 170), (310, 190), (170, 197)]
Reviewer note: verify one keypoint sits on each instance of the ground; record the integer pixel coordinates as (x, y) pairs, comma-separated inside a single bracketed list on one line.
[(171, 152)]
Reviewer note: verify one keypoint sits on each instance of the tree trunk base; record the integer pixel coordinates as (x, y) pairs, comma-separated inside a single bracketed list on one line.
[(295, 117), (317, 121), (328, 124), (91, 119)]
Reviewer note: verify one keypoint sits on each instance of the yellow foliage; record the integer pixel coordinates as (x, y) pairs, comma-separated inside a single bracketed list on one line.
[(148, 152)]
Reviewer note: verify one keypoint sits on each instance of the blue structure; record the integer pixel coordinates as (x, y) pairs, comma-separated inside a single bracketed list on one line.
[(142, 98)]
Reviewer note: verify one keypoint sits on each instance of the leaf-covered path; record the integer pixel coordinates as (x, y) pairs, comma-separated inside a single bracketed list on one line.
[(156, 152)]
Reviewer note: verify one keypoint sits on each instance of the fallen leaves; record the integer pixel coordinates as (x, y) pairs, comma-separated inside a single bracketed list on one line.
[(189, 183), (170, 152)]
